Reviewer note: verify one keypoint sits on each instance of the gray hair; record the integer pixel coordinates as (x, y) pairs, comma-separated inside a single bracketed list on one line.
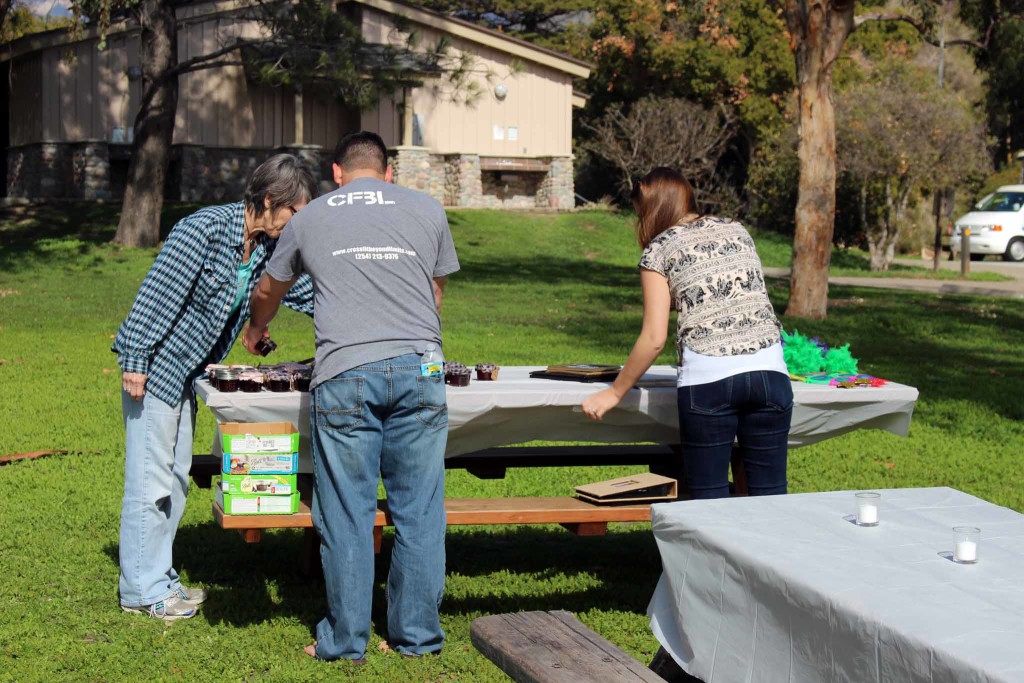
[(284, 180)]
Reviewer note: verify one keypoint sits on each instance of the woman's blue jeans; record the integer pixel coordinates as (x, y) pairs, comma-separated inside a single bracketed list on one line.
[(753, 410), (158, 457), (380, 420)]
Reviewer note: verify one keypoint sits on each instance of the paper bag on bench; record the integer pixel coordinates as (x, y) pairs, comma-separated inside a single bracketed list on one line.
[(638, 488)]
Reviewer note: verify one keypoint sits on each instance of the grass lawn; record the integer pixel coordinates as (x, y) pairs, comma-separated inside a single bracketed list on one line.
[(533, 289), (776, 251)]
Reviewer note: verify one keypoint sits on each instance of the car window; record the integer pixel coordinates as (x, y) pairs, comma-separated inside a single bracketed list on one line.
[(1002, 201)]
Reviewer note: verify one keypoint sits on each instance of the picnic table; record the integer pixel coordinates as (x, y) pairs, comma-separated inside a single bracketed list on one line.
[(485, 417), (788, 588), (518, 408)]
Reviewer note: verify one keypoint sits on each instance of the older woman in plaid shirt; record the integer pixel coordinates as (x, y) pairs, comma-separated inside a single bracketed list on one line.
[(191, 306)]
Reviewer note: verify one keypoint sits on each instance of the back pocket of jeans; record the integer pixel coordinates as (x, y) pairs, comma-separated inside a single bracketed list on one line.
[(339, 403), (778, 391), (433, 408), (712, 397)]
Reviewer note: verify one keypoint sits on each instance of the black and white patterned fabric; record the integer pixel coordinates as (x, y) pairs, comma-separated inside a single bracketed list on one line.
[(717, 286)]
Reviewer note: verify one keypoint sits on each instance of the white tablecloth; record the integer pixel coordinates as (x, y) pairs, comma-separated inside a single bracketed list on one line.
[(517, 408), (787, 588)]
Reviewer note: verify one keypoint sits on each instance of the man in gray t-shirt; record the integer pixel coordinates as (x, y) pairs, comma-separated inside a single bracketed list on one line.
[(378, 255)]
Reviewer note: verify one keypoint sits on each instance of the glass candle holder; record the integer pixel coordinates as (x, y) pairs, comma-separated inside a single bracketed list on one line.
[(868, 504), (965, 544)]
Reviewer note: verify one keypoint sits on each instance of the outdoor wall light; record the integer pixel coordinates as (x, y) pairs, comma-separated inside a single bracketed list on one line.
[(134, 73), (501, 91)]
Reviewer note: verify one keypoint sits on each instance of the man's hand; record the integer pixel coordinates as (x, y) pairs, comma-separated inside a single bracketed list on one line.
[(251, 337), (135, 384)]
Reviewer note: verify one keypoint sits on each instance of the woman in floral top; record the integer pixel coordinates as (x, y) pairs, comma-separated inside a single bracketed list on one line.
[(733, 384)]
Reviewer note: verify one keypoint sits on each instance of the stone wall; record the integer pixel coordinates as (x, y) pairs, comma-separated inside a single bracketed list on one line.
[(465, 181), (219, 174), (420, 169), (557, 190), (48, 170)]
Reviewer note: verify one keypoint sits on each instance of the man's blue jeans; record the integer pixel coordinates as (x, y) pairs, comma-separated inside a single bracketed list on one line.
[(158, 457), (753, 409), (380, 420)]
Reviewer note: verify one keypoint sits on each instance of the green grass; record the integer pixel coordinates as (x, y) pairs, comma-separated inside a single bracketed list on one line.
[(533, 289), (776, 251)]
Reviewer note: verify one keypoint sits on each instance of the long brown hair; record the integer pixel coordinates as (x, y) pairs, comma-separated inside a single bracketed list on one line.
[(662, 198)]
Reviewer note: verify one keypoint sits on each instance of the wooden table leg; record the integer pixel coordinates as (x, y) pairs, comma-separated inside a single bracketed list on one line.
[(251, 535), (587, 528), (378, 538), (311, 565), (674, 470)]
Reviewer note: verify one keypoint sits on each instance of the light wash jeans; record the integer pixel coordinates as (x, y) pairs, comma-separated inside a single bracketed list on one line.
[(378, 420), (158, 457)]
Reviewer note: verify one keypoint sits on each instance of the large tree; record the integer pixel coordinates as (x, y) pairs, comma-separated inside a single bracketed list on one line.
[(304, 43), (818, 31)]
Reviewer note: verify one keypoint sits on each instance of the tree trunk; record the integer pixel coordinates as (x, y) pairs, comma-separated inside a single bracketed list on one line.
[(876, 250), (879, 245), (154, 127), (818, 29)]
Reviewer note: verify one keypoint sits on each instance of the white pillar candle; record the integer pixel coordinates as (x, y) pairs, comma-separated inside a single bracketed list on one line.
[(867, 514), (965, 551)]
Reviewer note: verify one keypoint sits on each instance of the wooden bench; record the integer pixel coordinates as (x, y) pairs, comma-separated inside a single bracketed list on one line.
[(579, 517), (554, 647)]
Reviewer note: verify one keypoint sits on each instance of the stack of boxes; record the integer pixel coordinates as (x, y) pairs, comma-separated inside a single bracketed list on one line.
[(261, 462)]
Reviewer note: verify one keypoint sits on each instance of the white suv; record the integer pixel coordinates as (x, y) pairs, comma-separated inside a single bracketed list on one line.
[(997, 225)]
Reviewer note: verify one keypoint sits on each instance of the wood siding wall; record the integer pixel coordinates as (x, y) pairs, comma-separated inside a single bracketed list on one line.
[(56, 100), (538, 105), (26, 100)]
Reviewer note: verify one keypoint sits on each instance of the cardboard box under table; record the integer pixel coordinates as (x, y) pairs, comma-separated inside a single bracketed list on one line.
[(644, 487), (257, 503), (260, 447)]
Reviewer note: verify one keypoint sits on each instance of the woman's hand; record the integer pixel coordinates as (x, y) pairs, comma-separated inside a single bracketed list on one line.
[(135, 384), (600, 403)]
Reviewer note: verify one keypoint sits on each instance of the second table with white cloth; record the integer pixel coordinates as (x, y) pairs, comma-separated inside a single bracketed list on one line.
[(789, 588)]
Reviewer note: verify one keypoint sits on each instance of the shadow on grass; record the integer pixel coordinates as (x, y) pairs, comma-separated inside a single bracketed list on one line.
[(26, 232), (254, 583)]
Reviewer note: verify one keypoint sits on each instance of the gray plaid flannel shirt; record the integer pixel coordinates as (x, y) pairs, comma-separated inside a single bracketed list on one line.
[(179, 321)]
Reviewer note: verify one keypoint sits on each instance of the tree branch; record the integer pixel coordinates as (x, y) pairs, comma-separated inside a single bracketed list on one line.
[(196, 63), (922, 28)]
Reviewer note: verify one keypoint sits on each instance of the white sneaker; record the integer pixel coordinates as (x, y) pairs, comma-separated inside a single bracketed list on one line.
[(171, 609), (196, 596)]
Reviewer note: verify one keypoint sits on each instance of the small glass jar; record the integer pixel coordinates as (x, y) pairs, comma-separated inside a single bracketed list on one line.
[(227, 380), (251, 382), (868, 504), (302, 381), (487, 372), (965, 544), (279, 382), (460, 378)]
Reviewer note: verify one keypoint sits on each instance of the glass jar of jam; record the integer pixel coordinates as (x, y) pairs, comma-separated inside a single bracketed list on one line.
[(278, 381), (250, 381), (227, 380)]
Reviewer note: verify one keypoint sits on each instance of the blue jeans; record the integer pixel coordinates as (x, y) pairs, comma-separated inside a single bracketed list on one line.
[(158, 457), (753, 409), (380, 420)]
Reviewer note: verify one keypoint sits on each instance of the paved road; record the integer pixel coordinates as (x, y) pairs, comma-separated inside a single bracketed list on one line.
[(1009, 288)]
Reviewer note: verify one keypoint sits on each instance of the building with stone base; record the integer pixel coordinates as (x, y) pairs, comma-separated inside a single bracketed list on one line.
[(69, 121)]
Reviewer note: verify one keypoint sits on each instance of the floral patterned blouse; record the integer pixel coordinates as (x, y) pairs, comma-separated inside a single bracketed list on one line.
[(717, 286)]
